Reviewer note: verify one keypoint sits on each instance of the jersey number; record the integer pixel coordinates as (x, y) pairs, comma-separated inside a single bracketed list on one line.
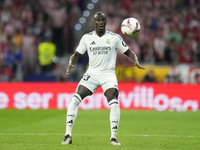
[(86, 77)]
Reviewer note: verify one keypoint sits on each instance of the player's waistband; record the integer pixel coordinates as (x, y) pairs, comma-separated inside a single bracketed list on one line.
[(97, 72)]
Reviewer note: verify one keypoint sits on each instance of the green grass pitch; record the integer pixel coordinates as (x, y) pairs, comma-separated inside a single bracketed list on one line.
[(138, 130)]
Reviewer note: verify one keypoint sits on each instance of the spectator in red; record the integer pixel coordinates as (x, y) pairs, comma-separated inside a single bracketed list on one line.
[(185, 52), (6, 73)]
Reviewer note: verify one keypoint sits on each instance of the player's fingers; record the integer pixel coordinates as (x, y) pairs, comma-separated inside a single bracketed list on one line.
[(67, 72), (139, 66), (69, 68)]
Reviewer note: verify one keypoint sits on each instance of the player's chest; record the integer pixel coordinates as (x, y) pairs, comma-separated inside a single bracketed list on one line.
[(104, 43), (100, 46)]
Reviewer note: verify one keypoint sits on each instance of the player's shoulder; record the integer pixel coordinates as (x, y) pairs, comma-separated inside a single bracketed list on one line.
[(89, 33), (110, 33)]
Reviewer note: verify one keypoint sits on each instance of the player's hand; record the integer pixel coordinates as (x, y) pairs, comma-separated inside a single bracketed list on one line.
[(69, 68), (139, 66)]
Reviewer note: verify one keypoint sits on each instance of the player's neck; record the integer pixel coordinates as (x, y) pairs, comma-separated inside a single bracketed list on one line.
[(100, 33)]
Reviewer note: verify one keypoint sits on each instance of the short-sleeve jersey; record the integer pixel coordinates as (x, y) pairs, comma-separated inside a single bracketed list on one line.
[(102, 51)]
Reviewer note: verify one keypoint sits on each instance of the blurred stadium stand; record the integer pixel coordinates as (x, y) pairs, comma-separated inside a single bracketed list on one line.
[(168, 43)]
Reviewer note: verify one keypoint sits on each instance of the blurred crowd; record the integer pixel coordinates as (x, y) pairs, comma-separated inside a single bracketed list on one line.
[(24, 25), (170, 32), (169, 35)]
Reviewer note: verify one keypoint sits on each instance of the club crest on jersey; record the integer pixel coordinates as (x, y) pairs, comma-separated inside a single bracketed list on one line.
[(108, 41)]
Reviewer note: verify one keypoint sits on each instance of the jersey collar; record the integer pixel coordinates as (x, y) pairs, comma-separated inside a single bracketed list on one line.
[(97, 35)]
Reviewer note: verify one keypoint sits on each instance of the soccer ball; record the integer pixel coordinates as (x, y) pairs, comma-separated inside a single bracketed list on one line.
[(130, 27)]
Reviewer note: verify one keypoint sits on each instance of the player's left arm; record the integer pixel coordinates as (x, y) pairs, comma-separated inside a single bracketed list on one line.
[(134, 58)]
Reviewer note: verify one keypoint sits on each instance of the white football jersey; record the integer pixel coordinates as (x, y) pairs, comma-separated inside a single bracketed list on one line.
[(102, 51)]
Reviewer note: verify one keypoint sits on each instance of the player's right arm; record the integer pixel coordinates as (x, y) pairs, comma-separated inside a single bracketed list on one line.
[(72, 61), (80, 50)]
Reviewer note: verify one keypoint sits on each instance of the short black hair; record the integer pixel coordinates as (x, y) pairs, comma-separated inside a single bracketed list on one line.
[(99, 13)]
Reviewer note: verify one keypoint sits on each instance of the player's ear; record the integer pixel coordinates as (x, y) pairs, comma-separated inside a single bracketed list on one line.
[(105, 20), (94, 21)]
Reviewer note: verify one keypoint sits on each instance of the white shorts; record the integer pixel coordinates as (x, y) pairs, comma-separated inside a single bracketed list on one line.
[(93, 82)]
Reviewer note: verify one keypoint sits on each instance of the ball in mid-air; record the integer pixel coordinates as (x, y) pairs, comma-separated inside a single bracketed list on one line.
[(130, 27)]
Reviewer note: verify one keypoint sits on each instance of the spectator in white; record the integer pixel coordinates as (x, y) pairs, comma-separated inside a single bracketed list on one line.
[(29, 50), (10, 27), (159, 46), (5, 14)]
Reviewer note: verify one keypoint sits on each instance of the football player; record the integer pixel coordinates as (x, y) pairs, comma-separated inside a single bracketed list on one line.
[(101, 46)]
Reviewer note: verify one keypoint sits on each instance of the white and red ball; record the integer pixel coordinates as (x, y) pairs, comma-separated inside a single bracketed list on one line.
[(130, 27)]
